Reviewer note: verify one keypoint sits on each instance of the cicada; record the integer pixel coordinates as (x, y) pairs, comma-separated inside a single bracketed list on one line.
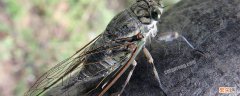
[(100, 63)]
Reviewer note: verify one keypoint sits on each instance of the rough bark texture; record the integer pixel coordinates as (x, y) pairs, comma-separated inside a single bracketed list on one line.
[(212, 26)]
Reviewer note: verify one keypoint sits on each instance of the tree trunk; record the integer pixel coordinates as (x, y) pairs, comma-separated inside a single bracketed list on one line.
[(212, 26)]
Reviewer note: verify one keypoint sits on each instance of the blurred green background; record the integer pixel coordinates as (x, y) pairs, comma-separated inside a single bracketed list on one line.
[(37, 34)]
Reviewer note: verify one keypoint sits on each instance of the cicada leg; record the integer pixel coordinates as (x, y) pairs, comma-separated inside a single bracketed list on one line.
[(134, 64), (150, 60)]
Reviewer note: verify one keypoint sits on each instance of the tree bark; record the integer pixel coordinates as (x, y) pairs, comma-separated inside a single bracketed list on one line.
[(212, 26)]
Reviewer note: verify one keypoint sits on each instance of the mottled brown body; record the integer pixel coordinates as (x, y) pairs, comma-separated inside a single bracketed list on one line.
[(102, 57)]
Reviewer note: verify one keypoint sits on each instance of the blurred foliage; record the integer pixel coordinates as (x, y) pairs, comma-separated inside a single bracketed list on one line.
[(36, 34)]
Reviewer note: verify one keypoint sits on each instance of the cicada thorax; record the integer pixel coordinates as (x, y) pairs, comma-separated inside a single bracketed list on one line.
[(123, 25)]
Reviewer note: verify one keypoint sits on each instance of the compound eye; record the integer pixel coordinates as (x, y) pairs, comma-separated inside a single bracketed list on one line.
[(156, 13)]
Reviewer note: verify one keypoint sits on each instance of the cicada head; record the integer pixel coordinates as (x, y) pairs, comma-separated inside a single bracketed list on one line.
[(148, 11)]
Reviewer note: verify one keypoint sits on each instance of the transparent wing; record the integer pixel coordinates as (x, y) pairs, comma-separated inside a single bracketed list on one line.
[(68, 67), (58, 72)]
